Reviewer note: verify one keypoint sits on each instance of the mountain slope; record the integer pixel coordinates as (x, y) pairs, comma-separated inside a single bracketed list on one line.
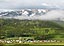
[(30, 28)]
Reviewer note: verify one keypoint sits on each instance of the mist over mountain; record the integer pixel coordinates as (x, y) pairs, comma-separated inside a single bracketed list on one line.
[(33, 14)]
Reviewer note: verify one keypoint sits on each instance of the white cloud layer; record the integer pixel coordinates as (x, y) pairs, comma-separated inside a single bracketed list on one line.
[(29, 3), (52, 15), (55, 14)]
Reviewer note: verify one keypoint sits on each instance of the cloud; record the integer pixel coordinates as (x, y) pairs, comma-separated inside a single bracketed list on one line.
[(29, 3), (52, 15), (45, 4)]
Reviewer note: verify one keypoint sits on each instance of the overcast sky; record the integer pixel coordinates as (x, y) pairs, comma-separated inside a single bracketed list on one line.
[(30, 3)]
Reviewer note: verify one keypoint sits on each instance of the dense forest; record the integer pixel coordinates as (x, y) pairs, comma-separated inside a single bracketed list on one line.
[(38, 29)]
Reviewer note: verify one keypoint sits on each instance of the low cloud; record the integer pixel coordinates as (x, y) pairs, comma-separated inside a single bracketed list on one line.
[(52, 15), (55, 14)]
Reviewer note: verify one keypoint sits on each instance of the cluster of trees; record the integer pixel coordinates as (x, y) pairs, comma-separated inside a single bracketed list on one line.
[(28, 28)]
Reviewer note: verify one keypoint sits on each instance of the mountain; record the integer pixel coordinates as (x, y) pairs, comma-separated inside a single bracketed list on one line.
[(22, 12), (33, 14)]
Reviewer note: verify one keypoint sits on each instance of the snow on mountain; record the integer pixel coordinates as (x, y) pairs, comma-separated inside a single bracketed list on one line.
[(51, 15), (25, 13), (5, 10), (32, 14)]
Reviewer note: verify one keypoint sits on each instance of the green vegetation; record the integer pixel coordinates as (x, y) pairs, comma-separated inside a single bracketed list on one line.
[(34, 44), (37, 29)]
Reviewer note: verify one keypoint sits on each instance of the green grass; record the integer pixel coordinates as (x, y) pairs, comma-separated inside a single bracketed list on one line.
[(34, 44)]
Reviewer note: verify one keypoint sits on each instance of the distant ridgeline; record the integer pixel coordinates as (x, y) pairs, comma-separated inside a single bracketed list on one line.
[(30, 28)]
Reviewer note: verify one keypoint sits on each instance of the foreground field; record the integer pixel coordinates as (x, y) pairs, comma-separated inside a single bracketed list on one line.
[(34, 44)]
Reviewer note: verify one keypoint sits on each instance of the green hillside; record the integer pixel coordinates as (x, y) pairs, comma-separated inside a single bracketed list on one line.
[(61, 23), (30, 28)]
